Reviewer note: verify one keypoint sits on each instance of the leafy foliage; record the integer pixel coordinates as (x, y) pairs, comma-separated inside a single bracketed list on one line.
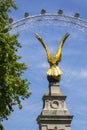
[(13, 87)]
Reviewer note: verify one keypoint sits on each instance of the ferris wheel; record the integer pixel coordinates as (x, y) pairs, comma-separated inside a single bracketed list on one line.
[(44, 19)]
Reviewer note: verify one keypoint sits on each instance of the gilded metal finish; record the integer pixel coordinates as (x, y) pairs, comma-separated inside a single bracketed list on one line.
[(54, 70)]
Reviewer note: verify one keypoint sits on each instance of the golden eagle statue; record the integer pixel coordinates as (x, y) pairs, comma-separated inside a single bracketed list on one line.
[(54, 70)]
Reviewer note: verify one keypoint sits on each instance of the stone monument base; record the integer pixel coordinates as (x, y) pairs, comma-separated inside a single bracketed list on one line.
[(54, 115)]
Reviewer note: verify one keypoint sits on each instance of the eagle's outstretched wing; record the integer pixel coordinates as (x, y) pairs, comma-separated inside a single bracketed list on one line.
[(49, 56), (59, 51)]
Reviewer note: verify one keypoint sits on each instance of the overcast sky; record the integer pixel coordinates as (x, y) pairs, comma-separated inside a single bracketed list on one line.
[(74, 64)]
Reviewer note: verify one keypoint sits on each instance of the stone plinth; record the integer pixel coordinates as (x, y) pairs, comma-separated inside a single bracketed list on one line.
[(54, 115)]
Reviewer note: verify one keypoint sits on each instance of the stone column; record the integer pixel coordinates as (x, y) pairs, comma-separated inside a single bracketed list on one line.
[(54, 115)]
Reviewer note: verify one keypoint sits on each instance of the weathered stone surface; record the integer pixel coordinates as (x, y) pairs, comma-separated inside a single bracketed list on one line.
[(54, 115)]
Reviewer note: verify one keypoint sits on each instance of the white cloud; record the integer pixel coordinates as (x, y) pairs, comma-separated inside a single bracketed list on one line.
[(83, 73), (76, 76), (43, 65), (76, 73)]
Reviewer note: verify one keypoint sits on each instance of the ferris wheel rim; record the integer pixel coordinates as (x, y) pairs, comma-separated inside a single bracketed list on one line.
[(34, 16), (50, 17)]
